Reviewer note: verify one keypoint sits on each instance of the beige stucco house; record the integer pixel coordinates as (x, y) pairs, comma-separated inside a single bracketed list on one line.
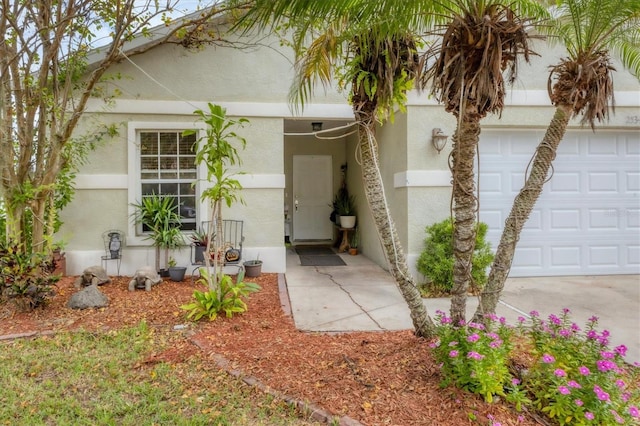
[(587, 222)]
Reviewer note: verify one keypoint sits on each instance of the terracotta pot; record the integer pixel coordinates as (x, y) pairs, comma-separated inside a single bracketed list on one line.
[(353, 251)]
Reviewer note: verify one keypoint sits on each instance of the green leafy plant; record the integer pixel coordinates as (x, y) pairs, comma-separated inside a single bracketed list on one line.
[(159, 217), (217, 153), (436, 260), (228, 298), (475, 357), (172, 262), (25, 278), (575, 378)]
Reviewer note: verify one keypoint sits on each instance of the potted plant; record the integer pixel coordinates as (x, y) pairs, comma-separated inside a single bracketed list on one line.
[(159, 218), (176, 272), (253, 268), (346, 208), (199, 240), (353, 243)]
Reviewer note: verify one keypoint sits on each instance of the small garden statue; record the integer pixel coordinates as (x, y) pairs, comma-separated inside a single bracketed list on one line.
[(144, 278), (93, 275)]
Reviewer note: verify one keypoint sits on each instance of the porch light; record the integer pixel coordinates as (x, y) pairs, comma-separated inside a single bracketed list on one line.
[(316, 126), (438, 139)]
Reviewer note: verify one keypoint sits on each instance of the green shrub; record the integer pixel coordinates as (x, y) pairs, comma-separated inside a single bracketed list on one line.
[(436, 260), (227, 298), (475, 358), (25, 278), (575, 378)]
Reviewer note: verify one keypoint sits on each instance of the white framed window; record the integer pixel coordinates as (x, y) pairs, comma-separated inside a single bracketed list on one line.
[(167, 167), (162, 161)]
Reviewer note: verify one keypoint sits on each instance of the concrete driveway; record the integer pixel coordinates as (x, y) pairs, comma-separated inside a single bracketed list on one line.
[(363, 297)]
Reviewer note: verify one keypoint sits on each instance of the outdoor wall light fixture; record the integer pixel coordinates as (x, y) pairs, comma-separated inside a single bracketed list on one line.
[(316, 126), (438, 139)]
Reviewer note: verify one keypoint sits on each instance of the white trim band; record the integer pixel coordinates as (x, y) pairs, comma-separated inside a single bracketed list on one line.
[(527, 98), (422, 178), (248, 181), (236, 109)]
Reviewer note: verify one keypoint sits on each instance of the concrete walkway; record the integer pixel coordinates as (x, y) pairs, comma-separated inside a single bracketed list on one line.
[(363, 297)]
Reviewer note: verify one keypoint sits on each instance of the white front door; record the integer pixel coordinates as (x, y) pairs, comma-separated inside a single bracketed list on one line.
[(312, 197)]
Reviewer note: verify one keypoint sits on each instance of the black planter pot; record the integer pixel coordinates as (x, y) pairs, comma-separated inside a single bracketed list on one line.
[(163, 272), (177, 273), (199, 253)]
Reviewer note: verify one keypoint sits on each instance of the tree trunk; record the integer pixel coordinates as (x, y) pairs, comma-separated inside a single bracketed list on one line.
[(522, 206), (373, 188), (465, 203)]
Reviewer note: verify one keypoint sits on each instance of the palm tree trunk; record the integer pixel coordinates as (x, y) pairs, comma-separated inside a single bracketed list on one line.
[(465, 141), (422, 323), (522, 206)]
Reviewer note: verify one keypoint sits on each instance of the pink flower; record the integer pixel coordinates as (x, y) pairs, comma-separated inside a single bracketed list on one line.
[(584, 371), (593, 319), (564, 390), (495, 344), (548, 359), (453, 354), (560, 372), (534, 313), (605, 365), (473, 338), (589, 416), (602, 395), (475, 355), (579, 402), (607, 355), (620, 383), (621, 350), (521, 319), (633, 411), (515, 382), (453, 343), (574, 384)]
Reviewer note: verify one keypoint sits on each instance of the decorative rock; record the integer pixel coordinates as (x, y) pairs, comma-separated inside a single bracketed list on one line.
[(93, 275), (144, 278), (88, 297)]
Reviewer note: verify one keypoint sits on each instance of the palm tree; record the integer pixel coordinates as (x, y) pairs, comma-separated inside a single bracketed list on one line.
[(482, 40), (379, 66), (580, 84)]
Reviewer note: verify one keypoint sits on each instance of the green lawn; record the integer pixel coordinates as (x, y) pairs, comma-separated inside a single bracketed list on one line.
[(99, 379)]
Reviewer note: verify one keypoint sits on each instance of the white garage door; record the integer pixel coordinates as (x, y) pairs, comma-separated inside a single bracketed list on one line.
[(586, 221)]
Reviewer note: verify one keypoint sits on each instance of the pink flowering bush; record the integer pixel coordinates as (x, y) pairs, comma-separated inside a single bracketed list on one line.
[(575, 378), (474, 357)]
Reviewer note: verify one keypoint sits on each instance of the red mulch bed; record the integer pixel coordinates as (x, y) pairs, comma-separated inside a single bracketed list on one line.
[(376, 378)]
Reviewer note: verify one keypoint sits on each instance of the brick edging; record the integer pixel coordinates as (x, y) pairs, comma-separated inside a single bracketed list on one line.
[(283, 292)]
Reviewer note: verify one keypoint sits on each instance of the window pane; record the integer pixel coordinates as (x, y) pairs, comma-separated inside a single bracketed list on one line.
[(150, 188), (187, 189), (169, 188), (168, 144), (148, 143), (186, 144), (168, 163), (187, 163), (149, 163), (188, 175)]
